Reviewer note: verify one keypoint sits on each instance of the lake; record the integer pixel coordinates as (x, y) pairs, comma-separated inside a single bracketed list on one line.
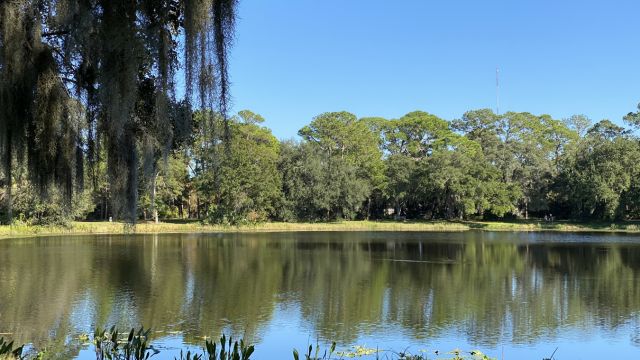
[(521, 295)]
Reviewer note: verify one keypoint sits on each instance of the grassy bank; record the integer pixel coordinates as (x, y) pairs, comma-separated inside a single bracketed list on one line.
[(564, 226), (196, 227)]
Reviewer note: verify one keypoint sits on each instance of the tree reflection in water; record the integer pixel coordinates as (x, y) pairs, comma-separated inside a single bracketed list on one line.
[(488, 287)]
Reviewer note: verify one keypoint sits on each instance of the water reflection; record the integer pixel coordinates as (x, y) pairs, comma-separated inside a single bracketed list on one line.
[(489, 288)]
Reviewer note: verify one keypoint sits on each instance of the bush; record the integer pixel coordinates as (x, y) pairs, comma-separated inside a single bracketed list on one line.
[(34, 208)]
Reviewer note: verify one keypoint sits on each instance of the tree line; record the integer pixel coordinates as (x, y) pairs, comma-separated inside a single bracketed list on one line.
[(419, 166), (91, 127)]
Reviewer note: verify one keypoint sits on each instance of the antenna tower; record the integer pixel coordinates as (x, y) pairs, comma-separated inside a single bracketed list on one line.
[(497, 91)]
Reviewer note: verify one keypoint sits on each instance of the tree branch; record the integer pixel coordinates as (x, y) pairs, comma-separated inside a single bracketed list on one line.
[(67, 79), (55, 33)]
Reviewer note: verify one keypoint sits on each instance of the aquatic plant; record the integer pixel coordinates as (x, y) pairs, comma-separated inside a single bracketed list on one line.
[(358, 351), (7, 351), (112, 345), (134, 348), (455, 354), (188, 356), (316, 355), (239, 351), (226, 350)]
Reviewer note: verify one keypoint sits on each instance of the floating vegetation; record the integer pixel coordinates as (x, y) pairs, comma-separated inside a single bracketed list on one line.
[(135, 345), (455, 354), (357, 352)]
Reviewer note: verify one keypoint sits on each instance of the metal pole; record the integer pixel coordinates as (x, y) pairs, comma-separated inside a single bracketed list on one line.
[(497, 91)]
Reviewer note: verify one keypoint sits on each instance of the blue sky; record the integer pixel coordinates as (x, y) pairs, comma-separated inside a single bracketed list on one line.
[(295, 59)]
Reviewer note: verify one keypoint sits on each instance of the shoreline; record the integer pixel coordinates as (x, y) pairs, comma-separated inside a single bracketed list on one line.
[(105, 228)]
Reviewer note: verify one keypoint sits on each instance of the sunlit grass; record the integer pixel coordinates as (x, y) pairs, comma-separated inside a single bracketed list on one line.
[(565, 226), (195, 227), (85, 227)]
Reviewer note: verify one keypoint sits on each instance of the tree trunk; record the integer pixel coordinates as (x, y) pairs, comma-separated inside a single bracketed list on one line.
[(154, 210), (368, 207), (9, 176)]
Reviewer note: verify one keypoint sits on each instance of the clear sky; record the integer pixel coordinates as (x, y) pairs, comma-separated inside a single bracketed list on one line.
[(294, 59)]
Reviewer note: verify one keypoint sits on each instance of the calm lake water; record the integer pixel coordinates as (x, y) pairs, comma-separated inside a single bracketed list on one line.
[(517, 294)]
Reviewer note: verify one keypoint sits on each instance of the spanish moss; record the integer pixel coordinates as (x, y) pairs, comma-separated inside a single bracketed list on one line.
[(81, 79)]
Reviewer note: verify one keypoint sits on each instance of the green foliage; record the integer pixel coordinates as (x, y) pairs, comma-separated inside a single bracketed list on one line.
[(600, 177), (360, 351), (7, 350), (525, 149), (318, 187), (333, 171), (633, 118), (400, 186), (342, 135), (87, 91), (189, 356), (78, 76), (434, 172), (170, 184), (417, 134), (234, 171), (32, 208), (239, 180), (109, 345), (578, 124), (112, 346), (228, 349), (316, 355)]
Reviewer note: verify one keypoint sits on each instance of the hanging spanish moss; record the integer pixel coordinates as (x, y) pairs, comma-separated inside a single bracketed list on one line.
[(78, 76)]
